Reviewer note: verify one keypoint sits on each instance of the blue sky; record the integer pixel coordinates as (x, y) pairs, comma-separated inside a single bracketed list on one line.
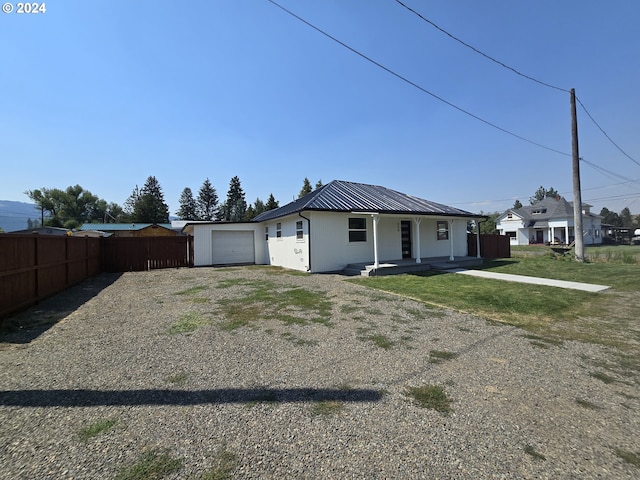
[(105, 93)]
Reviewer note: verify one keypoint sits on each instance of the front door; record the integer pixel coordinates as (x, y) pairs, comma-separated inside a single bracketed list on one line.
[(539, 236), (405, 234)]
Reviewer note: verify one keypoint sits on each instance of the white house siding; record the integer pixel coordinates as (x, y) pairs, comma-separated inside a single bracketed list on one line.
[(202, 238), (286, 251), (430, 246)]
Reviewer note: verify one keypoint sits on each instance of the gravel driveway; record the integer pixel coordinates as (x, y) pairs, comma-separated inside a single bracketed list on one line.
[(298, 393)]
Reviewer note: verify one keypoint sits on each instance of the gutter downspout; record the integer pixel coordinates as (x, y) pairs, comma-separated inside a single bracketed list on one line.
[(309, 243)]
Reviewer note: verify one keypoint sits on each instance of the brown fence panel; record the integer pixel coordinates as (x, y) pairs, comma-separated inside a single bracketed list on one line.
[(33, 267), (124, 254), (491, 246)]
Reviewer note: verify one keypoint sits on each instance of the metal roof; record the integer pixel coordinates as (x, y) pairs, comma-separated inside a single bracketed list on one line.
[(111, 227), (341, 196)]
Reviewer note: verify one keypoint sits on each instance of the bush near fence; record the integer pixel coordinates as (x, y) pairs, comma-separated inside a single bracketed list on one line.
[(34, 267)]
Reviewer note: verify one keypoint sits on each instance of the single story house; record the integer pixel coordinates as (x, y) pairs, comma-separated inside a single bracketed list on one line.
[(336, 225), (549, 221)]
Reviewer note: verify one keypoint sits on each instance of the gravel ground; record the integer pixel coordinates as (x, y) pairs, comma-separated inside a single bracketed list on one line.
[(305, 398)]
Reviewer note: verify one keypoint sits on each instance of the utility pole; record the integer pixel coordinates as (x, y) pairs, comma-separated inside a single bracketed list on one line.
[(577, 195)]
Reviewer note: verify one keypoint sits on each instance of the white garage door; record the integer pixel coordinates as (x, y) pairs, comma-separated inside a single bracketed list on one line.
[(232, 247)]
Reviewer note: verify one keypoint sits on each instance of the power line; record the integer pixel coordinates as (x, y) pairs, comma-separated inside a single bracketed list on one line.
[(489, 57), (415, 85), (608, 173), (605, 133), (528, 77)]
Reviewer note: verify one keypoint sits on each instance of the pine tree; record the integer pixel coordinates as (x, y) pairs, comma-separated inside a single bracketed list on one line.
[(318, 184), (188, 206), (207, 202), (258, 207), (306, 188), (517, 204), (271, 204), (150, 206), (236, 206)]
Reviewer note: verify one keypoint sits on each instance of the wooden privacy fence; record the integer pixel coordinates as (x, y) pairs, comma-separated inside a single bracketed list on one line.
[(125, 254), (33, 267), (491, 246)]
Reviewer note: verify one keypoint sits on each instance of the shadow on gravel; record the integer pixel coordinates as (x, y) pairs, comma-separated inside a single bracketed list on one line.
[(96, 398), (26, 326)]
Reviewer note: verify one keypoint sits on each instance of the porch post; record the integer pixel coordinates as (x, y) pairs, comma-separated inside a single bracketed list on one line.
[(417, 220), (566, 234), (451, 258), (478, 240), (553, 235), (376, 219)]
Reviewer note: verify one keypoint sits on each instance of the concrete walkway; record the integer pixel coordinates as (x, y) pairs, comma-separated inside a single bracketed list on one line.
[(587, 287)]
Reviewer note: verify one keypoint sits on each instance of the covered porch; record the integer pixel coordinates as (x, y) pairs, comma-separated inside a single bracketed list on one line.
[(409, 265)]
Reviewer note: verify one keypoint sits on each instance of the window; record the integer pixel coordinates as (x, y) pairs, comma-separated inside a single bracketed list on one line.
[(443, 230), (278, 230), (266, 233), (299, 230), (597, 233), (357, 230), (511, 234), (509, 216)]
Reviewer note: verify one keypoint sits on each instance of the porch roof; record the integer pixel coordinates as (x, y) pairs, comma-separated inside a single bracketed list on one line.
[(341, 196)]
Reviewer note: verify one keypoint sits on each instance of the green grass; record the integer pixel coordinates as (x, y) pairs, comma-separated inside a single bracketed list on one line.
[(430, 396), (262, 299), (587, 404), (439, 356), (152, 465), (327, 407), (529, 450), (225, 463), (381, 341), (188, 322), (632, 458), (178, 378), (96, 428), (554, 314), (603, 377)]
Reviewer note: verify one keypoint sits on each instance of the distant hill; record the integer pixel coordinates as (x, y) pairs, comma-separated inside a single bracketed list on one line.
[(14, 215)]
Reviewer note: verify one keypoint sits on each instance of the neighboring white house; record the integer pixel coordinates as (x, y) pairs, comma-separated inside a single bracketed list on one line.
[(335, 225), (548, 221)]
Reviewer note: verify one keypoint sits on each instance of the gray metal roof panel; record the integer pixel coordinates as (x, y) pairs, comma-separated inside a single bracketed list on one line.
[(342, 196)]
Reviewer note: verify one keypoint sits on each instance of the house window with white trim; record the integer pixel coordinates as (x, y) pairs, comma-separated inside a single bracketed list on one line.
[(266, 233), (278, 230), (357, 229), (299, 231), (443, 230)]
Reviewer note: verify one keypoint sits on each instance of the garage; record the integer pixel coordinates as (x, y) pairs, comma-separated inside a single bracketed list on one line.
[(232, 247)]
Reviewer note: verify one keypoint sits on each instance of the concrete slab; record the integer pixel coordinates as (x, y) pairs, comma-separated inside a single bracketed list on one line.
[(587, 287)]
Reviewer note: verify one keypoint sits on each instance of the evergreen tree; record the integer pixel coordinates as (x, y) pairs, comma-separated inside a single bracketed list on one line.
[(188, 206), (517, 204), (236, 206), (130, 203), (318, 184), (258, 207), (150, 206), (249, 214), (271, 204), (625, 217), (543, 193), (306, 188), (207, 203)]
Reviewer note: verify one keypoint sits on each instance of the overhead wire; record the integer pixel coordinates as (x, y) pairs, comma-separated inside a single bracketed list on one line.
[(517, 72), (489, 57), (415, 85)]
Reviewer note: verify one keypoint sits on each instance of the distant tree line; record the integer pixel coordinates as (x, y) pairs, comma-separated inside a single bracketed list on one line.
[(75, 206)]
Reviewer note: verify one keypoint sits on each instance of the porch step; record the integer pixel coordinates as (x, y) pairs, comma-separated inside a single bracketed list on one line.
[(354, 269), (445, 266)]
